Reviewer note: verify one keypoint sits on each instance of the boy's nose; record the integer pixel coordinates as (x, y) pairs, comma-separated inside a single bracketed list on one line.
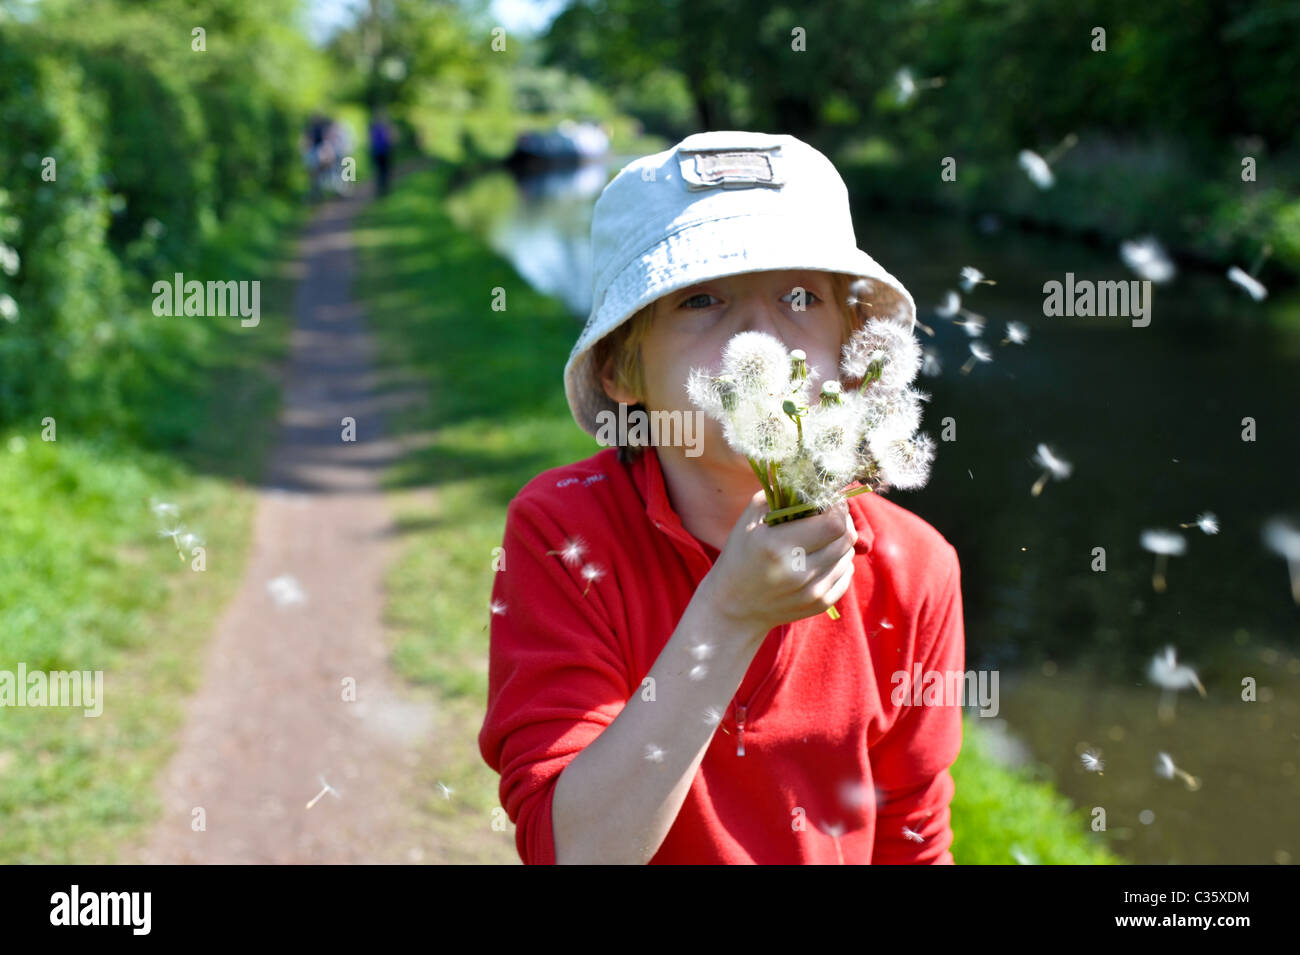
[(762, 315)]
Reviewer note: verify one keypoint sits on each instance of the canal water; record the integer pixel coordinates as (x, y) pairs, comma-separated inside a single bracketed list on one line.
[(1194, 413)]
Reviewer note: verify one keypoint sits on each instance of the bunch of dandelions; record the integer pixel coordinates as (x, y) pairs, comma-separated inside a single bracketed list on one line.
[(805, 455)]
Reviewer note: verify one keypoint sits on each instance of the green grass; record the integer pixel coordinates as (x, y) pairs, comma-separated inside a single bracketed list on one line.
[(86, 583), (493, 417)]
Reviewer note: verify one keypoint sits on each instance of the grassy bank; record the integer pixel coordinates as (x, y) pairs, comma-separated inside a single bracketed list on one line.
[(87, 583), (494, 417)]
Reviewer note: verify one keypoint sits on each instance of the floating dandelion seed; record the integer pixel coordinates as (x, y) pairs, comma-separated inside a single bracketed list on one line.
[(285, 590), (1017, 333), (951, 305), (974, 324), (1020, 857), (1207, 522), (1163, 544), (978, 352), (1147, 258), (8, 308), (702, 651), (712, 716), (1054, 467), (906, 86), (176, 534), (1036, 168), (1283, 538), (1247, 281), (654, 753), (1165, 671), (1092, 762), (572, 551), (446, 790), (1166, 769), (912, 835), (591, 573), (698, 672), (931, 367), (190, 541), (834, 831), (1039, 168), (971, 277), (328, 789), (9, 260), (163, 508)]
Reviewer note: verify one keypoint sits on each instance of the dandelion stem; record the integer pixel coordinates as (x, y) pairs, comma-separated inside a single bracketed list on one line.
[(776, 517), (762, 479)]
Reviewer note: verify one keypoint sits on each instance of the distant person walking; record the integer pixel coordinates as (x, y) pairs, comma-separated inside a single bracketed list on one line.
[(381, 148)]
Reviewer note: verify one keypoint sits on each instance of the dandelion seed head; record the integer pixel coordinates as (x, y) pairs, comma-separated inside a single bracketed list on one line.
[(1163, 542), (758, 363), (761, 430), (708, 393), (888, 414), (831, 434), (905, 463), (885, 342)]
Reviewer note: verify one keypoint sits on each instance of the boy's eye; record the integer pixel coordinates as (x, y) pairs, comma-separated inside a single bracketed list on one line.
[(809, 296), (696, 298)]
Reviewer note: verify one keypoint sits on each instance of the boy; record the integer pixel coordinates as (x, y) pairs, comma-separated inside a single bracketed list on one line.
[(665, 685)]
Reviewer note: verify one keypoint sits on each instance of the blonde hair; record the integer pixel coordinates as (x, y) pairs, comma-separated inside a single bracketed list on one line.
[(623, 345)]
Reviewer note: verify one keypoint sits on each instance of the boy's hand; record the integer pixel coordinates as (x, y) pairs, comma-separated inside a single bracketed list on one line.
[(761, 581)]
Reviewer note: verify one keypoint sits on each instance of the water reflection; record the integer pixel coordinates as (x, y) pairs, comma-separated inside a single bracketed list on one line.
[(1057, 587), (541, 223)]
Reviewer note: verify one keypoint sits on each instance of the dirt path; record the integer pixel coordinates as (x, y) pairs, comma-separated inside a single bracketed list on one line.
[(270, 717)]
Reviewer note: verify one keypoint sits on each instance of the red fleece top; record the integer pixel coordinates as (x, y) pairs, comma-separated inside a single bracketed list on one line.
[(829, 756)]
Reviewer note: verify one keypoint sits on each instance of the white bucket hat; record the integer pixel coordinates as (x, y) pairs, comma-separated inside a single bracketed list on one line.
[(716, 204)]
